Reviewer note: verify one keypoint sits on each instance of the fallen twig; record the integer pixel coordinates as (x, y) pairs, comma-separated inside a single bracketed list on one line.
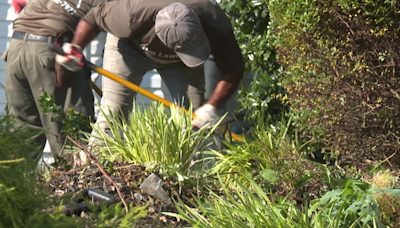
[(102, 171)]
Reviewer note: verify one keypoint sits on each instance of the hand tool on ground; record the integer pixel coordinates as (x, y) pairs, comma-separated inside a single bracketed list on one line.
[(136, 88), (75, 207)]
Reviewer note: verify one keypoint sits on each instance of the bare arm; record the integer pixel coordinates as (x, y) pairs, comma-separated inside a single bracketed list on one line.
[(84, 34), (225, 87)]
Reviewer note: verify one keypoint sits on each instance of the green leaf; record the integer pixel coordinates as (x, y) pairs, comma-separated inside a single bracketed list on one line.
[(269, 175)]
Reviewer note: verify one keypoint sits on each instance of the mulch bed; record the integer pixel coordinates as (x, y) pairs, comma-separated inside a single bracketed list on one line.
[(66, 184)]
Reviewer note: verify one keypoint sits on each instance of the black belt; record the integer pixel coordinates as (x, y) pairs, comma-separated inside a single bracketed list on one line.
[(33, 37)]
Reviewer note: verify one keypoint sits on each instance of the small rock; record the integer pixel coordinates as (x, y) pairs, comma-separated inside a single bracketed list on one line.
[(163, 218), (138, 196), (152, 210)]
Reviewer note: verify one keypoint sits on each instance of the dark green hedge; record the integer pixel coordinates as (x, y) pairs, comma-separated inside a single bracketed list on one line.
[(341, 64), (338, 62)]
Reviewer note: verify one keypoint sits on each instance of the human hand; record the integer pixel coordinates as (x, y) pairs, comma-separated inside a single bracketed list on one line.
[(63, 78), (204, 115), (73, 61)]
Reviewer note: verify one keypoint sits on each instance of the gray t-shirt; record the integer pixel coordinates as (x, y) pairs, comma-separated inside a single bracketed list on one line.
[(53, 17), (134, 20)]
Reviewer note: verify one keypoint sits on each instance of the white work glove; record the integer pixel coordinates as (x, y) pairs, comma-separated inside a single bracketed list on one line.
[(73, 61), (204, 115)]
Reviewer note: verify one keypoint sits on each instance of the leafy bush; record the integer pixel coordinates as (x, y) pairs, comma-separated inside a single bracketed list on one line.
[(339, 61), (276, 161), (74, 123), (21, 197), (265, 97), (356, 202)]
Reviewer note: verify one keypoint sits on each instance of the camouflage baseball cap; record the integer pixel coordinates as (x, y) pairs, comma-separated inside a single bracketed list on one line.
[(179, 27)]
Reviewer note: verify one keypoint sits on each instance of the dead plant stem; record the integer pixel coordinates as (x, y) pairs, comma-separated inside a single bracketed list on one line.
[(102, 171)]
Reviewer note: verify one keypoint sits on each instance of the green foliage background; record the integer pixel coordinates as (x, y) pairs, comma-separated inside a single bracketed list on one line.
[(337, 62), (250, 21), (21, 197)]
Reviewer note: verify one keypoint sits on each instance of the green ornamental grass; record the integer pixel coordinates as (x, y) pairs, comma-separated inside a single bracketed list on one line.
[(154, 135)]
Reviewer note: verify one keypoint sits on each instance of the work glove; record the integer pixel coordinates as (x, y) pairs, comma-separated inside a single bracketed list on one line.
[(204, 115), (18, 5), (73, 61)]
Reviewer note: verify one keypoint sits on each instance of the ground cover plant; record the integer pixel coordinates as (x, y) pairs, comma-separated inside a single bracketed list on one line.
[(269, 172), (252, 199)]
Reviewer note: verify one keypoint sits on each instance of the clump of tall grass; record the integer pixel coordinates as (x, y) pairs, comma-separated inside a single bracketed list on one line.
[(254, 206), (241, 207), (274, 157), (153, 135)]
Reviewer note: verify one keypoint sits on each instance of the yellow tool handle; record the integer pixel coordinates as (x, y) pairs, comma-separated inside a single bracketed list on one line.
[(129, 85), (97, 89), (146, 93), (132, 86)]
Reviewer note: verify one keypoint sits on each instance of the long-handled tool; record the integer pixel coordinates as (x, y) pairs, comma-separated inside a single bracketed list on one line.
[(132, 86), (97, 89)]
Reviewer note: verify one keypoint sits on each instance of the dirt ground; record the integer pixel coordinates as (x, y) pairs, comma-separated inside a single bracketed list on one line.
[(66, 184)]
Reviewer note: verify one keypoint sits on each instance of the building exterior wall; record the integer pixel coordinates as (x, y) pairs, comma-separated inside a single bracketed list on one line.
[(7, 15)]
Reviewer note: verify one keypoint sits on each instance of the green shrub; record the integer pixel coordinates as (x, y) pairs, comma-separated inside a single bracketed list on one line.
[(357, 203), (21, 196), (250, 20), (74, 123), (275, 160), (340, 61)]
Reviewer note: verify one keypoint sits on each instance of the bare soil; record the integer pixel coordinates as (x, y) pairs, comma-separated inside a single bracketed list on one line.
[(66, 184)]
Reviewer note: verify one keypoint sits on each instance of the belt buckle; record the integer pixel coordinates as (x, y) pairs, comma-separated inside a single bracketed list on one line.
[(35, 37)]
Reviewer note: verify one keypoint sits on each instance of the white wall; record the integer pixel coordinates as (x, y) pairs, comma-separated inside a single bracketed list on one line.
[(7, 15)]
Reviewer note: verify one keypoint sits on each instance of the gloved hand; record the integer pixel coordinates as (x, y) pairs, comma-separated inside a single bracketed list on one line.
[(204, 115), (18, 5), (73, 61)]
